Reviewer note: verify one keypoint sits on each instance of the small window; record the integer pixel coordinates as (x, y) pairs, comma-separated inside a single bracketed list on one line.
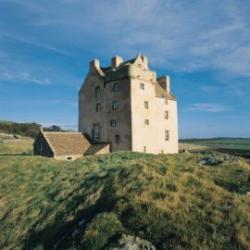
[(115, 87), (114, 105), (166, 114), (96, 132), (113, 123), (117, 138), (166, 100), (142, 86), (69, 158), (146, 121), (146, 105), (98, 107), (166, 135), (97, 92), (144, 149)]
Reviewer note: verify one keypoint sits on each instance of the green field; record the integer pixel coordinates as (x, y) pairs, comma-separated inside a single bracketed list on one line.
[(226, 143), (171, 201), (18, 145)]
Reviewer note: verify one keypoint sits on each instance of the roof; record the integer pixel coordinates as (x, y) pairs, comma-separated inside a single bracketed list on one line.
[(67, 143), (94, 148)]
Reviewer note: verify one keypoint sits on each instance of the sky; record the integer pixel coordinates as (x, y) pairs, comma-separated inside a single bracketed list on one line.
[(204, 46)]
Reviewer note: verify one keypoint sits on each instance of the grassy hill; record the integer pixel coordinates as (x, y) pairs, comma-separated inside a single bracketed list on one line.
[(171, 201)]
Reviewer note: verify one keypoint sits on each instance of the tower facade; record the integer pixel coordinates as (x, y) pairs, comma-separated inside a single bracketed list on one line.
[(128, 106)]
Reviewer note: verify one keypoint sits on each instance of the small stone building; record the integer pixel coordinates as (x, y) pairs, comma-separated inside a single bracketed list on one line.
[(66, 145)]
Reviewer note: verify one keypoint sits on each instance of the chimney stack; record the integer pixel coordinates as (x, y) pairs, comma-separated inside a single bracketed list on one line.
[(164, 82), (116, 61), (95, 64)]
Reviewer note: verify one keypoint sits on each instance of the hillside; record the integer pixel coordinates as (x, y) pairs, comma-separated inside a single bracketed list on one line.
[(171, 201)]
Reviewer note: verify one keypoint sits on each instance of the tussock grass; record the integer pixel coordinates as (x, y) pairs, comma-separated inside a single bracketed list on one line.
[(168, 200)]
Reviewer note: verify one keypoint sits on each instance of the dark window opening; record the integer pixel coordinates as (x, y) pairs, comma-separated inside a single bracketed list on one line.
[(98, 107), (114, 105), (146, 121), (146, 105), (113, 123), (97, 92), (166, 135), (142, 86), (166, 114), (144, 149), (69, 158), (96, 132), (115, 87), (117, 138)]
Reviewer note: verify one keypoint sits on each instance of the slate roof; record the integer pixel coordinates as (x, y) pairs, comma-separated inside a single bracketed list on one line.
[(67, 143)]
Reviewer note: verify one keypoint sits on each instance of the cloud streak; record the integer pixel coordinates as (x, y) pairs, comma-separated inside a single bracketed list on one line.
[(24, 77), (207, 107)]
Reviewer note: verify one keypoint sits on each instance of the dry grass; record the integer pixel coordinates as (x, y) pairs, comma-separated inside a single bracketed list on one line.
[(169, 200)]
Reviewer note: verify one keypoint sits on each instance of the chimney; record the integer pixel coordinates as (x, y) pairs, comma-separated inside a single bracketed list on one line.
[(116, 61), (94, 64), (164, 82), (145, 60)]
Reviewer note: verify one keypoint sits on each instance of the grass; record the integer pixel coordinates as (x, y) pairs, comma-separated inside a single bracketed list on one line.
[(15, 146), (170, 201)]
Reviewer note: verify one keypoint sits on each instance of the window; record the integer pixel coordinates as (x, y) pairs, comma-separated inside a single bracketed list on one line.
[(166, 135), (146, 105), (113, 123), (97, 92), (142, 86), (98, 107), (114, 105), (166, 100), (166, 114), (115, 87), (144, 149), (117, 138), (146, 121), (96, 132)]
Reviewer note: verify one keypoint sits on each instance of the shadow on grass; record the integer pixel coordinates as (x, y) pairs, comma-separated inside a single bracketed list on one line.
[(59, 235)]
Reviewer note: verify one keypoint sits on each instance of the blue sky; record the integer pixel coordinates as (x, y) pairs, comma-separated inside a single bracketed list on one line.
[(46, 46)]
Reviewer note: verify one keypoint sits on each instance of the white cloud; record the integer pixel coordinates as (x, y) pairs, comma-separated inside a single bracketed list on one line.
[(179, 35), (207, 107), (23, 76)]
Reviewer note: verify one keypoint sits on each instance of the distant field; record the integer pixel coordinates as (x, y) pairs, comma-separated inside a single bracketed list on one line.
[(224, 143), (10, 145)]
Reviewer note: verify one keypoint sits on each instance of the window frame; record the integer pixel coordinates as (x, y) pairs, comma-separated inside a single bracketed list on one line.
[(142, 85), (114, 105), (98, 107), (146, 105), (146, 122), (167, 135), (97, 91), (96, 137), (113, 123), (166, 115), (115, 87)]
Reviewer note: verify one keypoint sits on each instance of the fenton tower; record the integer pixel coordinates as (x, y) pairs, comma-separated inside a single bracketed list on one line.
[(129, 107)]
